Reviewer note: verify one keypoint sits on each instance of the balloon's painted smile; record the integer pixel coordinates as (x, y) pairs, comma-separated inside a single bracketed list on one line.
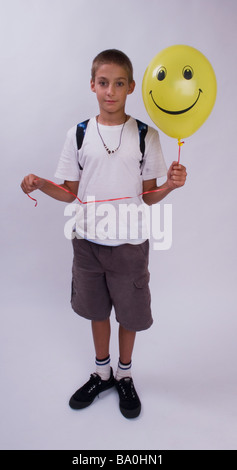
[(176, 112)]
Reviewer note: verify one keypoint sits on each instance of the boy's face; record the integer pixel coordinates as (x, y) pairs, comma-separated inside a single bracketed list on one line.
[(111, 86)]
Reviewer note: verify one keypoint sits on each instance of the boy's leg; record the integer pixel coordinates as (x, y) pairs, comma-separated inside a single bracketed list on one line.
[(103, 378), (101, 336), (130, 405), (126, 343), (91, 299)]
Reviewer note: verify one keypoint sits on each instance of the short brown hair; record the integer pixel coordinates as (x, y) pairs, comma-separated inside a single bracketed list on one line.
[(112, 56)]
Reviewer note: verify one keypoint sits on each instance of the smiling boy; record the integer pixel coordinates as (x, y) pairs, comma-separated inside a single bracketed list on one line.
[(111, 272)]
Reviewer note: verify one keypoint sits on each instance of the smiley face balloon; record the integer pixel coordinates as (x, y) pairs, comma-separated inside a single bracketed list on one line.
[(179, 90)]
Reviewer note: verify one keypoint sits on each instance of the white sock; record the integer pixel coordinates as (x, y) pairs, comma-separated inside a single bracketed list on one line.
[(123, 370), (103, 368)]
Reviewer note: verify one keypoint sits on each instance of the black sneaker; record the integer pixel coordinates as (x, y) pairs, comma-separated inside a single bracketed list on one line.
[(87, 393), (129, 403)]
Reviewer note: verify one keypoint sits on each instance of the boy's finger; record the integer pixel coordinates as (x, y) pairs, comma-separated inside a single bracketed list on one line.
[(177, 166)]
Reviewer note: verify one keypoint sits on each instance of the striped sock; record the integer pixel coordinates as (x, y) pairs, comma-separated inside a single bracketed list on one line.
[(123, 370), (103, 368)]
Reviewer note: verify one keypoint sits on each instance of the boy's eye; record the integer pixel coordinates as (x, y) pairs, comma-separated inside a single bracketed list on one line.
[(120, 84), (102, 83)]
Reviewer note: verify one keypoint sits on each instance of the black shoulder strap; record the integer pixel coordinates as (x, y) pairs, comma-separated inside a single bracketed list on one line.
[(80, 134), (81, 130), (142, 129)]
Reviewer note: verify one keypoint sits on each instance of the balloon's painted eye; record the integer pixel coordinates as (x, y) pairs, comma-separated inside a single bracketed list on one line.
[(162, 72), (188, 72)]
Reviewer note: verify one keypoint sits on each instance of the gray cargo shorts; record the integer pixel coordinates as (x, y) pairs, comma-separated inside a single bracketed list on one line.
[(112, 276)]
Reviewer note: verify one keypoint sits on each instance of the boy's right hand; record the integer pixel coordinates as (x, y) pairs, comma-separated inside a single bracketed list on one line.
[(31, 183)]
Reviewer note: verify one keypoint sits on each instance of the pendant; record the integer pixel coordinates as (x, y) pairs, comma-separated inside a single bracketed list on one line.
[(109, 151)]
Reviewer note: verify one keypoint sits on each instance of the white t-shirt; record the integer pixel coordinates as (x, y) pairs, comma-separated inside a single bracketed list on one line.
[(111, 176)]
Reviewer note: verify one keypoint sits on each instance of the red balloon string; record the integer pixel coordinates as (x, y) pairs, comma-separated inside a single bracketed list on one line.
[(112, 199), (99, 200), (33, 199)]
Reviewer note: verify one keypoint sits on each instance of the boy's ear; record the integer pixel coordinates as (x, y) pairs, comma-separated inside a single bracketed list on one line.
[(92, 85), (131, 87)]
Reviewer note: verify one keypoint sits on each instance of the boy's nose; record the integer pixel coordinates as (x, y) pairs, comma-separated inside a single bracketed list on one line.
[(110, 90)]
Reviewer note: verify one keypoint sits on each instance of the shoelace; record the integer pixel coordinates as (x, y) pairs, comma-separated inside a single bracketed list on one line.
[(127, 388), (93, 382)]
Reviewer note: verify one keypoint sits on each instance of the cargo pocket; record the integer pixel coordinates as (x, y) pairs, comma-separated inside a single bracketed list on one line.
[(141, 303), (142, 281)]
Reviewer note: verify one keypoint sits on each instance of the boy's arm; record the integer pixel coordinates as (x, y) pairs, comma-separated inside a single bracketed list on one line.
[(32, 182), (176, 178)]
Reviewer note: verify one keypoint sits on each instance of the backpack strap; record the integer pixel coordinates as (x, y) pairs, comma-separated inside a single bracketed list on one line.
[(80, 134), (142, 129)]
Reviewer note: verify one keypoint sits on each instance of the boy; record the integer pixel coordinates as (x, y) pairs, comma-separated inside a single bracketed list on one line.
[(113, 270)]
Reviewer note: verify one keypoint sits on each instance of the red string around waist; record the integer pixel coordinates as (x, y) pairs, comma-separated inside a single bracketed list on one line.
[(111, 199), (99, 200)]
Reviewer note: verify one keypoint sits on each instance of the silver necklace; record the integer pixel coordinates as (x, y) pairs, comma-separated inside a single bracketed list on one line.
[(102, 140)]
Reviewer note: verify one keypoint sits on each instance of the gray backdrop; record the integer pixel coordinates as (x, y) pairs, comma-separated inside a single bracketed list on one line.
[(184, 367)]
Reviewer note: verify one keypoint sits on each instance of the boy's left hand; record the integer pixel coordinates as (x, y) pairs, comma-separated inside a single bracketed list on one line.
[(176, 175)]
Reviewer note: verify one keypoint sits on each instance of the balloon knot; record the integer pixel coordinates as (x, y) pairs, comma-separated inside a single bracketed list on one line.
[(180, 143)]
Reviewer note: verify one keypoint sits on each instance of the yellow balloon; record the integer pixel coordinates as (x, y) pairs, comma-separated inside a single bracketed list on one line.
[(179, 90)]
